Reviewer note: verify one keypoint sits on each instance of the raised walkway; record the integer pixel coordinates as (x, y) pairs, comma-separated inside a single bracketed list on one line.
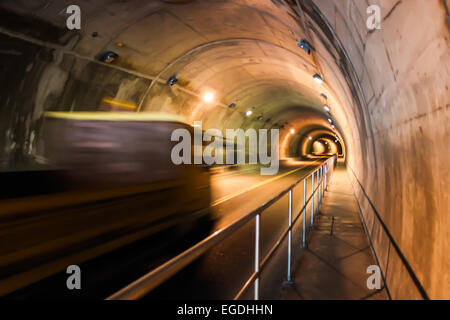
[(334, 264)]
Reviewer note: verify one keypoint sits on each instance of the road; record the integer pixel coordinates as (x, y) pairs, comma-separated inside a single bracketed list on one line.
[(220, 273)]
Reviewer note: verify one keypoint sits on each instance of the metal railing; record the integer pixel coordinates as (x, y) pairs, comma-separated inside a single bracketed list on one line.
[(319, 181), (375, 227)]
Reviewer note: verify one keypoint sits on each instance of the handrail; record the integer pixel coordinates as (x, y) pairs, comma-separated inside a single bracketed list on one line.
[(405, 262), (276, 246), (154, 278)]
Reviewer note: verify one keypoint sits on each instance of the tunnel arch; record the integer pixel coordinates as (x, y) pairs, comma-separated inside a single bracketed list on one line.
[(305, 145), (387, 91)]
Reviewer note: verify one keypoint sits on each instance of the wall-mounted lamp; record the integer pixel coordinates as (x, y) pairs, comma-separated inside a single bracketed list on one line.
[(249, 113), (292, 131), (109, 57), (330, 121), (310, 138), (327, 108), (208, 97), (305, 45), (318, 78), (172, 80)]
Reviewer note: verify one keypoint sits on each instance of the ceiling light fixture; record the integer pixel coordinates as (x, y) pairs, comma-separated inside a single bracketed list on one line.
[(208, 97), (109, 57), (318, 78), (172, 80), (305, 45)]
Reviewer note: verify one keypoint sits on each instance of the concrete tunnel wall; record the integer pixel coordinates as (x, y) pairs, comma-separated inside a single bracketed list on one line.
[(387, 89)]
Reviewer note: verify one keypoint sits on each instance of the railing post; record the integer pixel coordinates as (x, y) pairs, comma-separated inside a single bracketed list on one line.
[(289, 238), (322, 191), (257, 229), (304, 214), (312, 199), (320, 188), (318, 193)]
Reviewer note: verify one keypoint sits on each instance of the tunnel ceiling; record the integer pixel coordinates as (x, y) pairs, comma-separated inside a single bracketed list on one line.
[(254, 62)]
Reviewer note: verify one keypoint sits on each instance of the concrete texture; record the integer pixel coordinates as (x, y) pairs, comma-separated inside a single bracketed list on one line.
[(334, 264), (403, 70), (387, 89)]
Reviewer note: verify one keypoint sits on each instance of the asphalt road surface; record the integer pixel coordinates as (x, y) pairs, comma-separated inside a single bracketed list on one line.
[(222, 271)]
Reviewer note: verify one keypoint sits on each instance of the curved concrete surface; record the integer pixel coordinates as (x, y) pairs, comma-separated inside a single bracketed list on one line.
[(387, 90)]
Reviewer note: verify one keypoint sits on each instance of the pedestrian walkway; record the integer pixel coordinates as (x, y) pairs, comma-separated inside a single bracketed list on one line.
[(334, 264)]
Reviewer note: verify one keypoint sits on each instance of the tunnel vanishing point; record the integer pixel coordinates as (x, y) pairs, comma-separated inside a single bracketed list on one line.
[(314, 69)]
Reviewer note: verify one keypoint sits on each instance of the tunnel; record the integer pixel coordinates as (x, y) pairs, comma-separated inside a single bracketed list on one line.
[(373, 100)]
